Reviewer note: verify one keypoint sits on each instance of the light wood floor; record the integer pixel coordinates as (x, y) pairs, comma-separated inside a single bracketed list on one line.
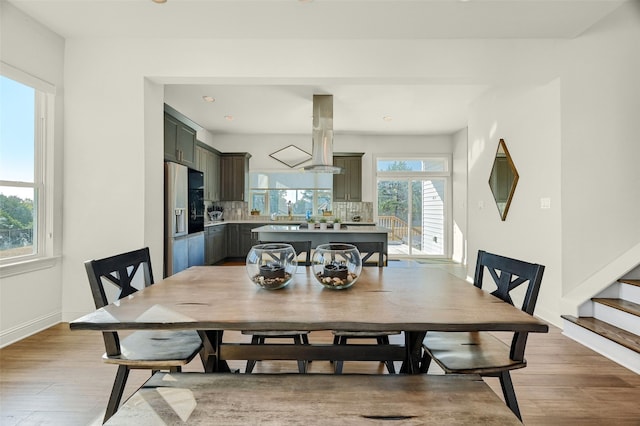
[(56, 377)]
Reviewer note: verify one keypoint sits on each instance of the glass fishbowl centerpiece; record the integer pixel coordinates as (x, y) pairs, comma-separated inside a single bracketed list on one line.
[(271, 266), (336, 266)]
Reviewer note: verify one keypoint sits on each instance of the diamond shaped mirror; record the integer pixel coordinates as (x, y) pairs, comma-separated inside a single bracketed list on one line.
[(503, 179), (291, 155)]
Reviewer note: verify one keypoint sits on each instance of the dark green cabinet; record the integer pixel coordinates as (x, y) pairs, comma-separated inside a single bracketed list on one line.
[(208, 162), (234, 176), (347, 186), (179, 141), (215, 244), (240, 238)]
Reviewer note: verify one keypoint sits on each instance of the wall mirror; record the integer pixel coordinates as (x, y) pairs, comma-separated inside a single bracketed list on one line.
[(291, 155), (503, 179)]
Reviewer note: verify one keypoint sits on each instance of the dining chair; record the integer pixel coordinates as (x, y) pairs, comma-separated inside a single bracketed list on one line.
[(367, 250), (300, 337), (114, 278), (481, 352)]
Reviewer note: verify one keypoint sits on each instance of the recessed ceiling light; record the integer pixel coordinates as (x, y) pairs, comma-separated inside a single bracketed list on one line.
[(387, 118), (305, 1), (159, 1), (209, 98), (228, 117)]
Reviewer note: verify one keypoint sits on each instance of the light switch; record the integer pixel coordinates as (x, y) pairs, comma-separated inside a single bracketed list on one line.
[(480, 205), (545, 203)]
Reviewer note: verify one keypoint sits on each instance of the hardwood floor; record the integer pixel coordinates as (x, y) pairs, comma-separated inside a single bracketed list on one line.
[(56, 377)]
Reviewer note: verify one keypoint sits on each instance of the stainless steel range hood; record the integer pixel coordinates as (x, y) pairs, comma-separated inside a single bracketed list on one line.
[(322, 143)]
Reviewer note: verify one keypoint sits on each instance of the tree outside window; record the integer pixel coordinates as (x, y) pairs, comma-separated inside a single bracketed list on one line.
[(21, 184)]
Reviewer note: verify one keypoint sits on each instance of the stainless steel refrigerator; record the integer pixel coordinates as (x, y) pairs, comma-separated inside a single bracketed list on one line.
[(183, 218)]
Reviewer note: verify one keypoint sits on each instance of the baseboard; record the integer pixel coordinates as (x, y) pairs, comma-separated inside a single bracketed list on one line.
[(549, 316), (27, 329)]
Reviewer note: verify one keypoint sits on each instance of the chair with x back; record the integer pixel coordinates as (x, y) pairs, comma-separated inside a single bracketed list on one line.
[(300, 337), (368, 250), (151, 350), (480, 352)]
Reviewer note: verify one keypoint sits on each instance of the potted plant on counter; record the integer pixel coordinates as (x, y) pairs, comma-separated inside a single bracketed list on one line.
[(323, 224), (336, 223)]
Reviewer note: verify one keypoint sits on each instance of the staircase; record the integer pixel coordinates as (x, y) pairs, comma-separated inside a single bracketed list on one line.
[(610, 323)]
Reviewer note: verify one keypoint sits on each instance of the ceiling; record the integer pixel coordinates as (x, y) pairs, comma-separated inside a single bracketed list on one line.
[(287, 109)]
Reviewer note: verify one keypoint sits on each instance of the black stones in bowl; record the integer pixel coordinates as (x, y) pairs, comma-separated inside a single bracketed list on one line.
[(272, 270), (336, 270), (271, 266), (336, 265)]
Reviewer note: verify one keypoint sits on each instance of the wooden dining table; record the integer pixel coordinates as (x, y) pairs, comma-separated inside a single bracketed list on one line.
[(215, 299)]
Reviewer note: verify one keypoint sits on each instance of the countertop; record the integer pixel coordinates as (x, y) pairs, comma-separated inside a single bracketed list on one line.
[(296, 228), (282, 223)]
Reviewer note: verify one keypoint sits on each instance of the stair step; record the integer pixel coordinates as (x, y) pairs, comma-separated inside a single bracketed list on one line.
[(628, 340), (630, 282), (620, 304)]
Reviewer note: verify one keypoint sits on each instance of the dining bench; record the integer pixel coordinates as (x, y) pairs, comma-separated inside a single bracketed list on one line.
[(293, 399)]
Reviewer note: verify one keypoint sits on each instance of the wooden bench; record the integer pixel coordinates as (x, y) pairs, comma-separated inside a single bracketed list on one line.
[(310, 399)]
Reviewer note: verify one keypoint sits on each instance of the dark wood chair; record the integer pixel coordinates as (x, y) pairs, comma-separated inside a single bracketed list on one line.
[(481, 352), (299, 337), (150, 350), (367, 249)]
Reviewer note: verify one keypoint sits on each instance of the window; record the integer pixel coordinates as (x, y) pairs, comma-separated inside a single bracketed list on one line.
[(24, 104), (294, 193)]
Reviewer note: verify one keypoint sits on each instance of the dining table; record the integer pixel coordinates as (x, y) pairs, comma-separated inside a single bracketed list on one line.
[(215, 299)]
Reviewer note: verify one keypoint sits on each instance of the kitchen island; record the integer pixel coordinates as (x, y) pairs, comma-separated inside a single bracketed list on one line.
[(346, 234)]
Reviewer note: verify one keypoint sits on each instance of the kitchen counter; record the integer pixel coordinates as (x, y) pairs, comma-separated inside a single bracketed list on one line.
[(282, 223), (348, 234), (359, 229)]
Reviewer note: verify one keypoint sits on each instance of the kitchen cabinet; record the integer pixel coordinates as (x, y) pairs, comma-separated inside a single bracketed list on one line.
[(179, 141), (233, 240), (234, 176), (347, 186), (240, 239), (215, 244), (208, 162)]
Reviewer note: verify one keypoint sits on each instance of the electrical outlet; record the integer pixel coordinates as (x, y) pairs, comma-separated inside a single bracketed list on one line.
[(545, 203)]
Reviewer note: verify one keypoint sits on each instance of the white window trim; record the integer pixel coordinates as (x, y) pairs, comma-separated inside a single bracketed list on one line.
[(43, 176)]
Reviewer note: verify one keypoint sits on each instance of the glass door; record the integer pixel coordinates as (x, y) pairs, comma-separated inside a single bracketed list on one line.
[(414, 211)]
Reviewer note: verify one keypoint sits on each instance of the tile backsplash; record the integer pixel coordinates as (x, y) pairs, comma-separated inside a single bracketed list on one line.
[(234, 210), (347, 210)]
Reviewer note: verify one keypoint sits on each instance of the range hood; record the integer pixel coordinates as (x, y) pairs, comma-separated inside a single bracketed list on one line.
[(322, 143)]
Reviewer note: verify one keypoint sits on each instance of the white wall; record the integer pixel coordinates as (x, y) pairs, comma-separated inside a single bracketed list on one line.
[(528, 119), (113, 144), (109, 182), (459, 183), (30, 302), (600, 146)]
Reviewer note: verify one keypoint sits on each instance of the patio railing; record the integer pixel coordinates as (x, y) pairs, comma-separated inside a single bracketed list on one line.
[(400, 229)]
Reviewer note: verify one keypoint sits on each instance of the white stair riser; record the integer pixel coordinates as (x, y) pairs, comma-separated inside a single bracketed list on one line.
[(607, 348), (630, 292), (616, 317)]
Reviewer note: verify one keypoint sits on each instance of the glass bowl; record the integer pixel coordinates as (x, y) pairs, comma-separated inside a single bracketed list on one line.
[(336, 266), (271, 266)]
